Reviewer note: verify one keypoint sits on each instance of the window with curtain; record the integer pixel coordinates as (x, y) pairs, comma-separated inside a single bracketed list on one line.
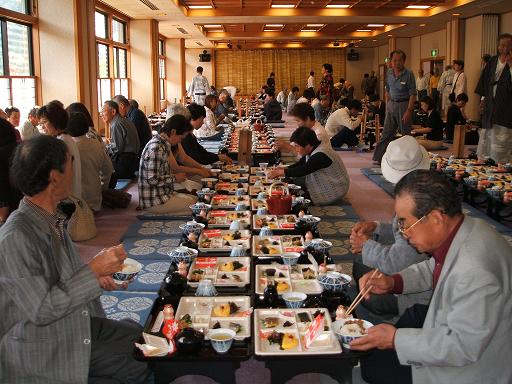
[(17, 80), (248, 70), (161, 69), (112, 56)]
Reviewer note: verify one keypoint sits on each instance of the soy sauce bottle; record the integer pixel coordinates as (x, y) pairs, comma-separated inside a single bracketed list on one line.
[(270, 295)]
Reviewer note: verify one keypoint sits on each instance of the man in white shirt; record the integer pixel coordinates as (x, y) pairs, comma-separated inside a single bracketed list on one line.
[(199, 87), (304, 116), (459, 78), (311, 80), (421, 84), (444, 86), (342, 124), (281, 97)]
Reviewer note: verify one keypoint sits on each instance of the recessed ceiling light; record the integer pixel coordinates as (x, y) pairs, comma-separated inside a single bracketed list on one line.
[(337, 6), (271, 30), (363, 30), (315, 25), (283, 6), (390, 35), (418, 6), (374, 40), (200, 6), (274, 25), (375, 25), (212, 26), (309, 30), (422, 25), (455, 14)]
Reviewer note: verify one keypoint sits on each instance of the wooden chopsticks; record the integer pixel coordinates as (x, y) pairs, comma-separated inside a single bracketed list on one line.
[(360, 296)]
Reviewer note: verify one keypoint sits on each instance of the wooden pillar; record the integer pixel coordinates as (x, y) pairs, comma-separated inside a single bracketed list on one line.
[(85, 52)]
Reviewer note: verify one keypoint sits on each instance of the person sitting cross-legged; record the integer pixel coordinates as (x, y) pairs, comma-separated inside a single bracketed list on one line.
[(156, 179), (325, 176)]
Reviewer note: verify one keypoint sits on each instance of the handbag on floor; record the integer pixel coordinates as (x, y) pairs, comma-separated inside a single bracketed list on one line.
[(113, 198), (81, 224)]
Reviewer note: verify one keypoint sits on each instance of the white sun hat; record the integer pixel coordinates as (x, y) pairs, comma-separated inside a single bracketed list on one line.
[(402, 156)]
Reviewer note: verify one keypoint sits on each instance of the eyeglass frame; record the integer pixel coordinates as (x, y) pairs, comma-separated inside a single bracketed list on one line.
[(403, 230)]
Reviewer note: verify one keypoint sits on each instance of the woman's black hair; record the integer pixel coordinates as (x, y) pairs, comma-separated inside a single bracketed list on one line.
[(328, 67), (77, 124), (196, 111), (178, 123), (302, 111), (303, 136), (55, 114), (79, 107), (430, 102)]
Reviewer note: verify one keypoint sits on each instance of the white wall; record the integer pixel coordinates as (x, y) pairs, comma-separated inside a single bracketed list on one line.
[(356, 69), (506, 23), (472, 67), (141, 64), (173, 51), (57, 47), (192, 62), (422, 45)]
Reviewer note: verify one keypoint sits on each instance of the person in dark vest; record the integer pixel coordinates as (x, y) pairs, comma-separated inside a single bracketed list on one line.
[(495, 90)]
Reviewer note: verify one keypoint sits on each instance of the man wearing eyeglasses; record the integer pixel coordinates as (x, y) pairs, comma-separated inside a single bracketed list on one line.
[(381, 244), (465, 334)]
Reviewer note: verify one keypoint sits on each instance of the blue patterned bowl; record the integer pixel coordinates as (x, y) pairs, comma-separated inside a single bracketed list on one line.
[(198, 207), (294, 299), (347, 334), (290, 258), (183, 254), (265, 231), (221, 339), (319, 245), (131, 268), (192, 227), (334, 281)]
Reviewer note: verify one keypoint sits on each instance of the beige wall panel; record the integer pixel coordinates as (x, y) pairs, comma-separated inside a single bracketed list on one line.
[(356, 69), (473, 46), (141, 64), (57, 47), (175, 83), (506, 23)]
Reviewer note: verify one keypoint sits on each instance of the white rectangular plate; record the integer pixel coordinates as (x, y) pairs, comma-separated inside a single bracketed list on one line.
[(216, 273), (218, 240), (201, 310), (326, 343)]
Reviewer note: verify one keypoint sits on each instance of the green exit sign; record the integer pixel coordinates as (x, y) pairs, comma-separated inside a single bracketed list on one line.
[(434, 52), (386, 60)]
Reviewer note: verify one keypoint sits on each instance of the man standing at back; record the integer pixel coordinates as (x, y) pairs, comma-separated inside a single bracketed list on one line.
[(444, 87), (311, 80), (400, 97), (495, 89), (199, 87)]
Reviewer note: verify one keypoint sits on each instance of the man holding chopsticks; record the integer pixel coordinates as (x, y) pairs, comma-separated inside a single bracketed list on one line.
[(465, 333)]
